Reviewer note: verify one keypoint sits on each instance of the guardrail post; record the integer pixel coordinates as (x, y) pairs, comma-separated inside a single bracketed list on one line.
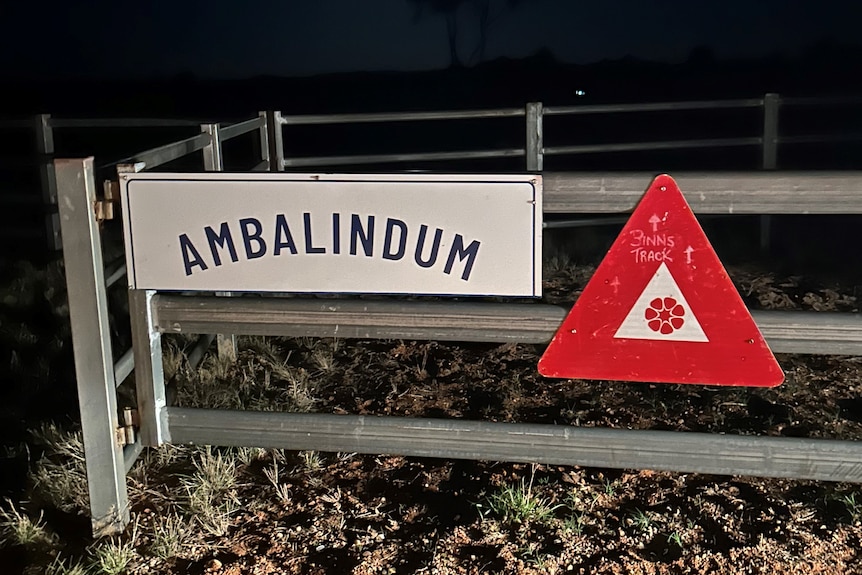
[(149, 369), (771, 105), (212, 151), (91, 343), (276, 141), (213, 163), (264, 140), (48, 178), (535, 139)]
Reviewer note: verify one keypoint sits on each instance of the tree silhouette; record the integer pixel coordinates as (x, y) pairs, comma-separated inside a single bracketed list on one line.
[(448, 9)]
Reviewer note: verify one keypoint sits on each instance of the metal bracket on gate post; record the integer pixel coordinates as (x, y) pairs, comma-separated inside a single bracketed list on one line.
[(105, 206), (226, 343), (131, 168), (126, 432)]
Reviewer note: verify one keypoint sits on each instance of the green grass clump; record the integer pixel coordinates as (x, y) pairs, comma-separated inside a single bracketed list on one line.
[(172, 535), (60, 567), (113, 557), (210, 491), (517, 504), (18, 528), (60, 475)]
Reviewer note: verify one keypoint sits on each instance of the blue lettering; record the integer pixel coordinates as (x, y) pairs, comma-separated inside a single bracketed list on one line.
[(459, 251), (391, 224), (283, 237), (336, 233), (310, 249), (221, 239), (420, 245), (366, 236), (245, 225), (191, 257)]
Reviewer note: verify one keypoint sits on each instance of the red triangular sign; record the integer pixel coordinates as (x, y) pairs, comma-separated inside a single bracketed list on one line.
[(661, 308)]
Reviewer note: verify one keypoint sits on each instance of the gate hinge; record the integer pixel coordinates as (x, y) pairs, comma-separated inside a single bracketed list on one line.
[(126, 431), (105, 207)]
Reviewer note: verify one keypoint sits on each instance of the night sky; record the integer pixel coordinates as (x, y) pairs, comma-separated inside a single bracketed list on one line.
[(219, 39)]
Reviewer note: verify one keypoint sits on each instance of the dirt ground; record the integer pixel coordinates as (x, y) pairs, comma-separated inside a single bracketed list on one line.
[(254, 511)]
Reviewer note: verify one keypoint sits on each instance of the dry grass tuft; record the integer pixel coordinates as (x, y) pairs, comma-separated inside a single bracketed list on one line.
[(60, 475)]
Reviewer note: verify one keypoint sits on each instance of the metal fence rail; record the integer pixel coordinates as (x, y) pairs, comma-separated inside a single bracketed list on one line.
[(817, 459), (122, 123), (233, 130), (155, 157), (653, 107), (392, 158), (45, 126), (309, 119), (785, 331), (767, 139), (710, 193), (647, 146)]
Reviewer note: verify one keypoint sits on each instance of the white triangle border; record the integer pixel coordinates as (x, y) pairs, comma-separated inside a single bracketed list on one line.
[(661, 285)]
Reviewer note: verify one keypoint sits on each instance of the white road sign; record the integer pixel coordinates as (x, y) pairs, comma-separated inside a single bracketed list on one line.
[(317, 233)]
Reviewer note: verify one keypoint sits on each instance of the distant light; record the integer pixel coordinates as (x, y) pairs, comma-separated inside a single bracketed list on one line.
[(580, 92)]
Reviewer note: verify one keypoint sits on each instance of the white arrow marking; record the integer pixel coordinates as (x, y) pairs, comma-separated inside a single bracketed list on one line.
[(654, 220), (687, 252)]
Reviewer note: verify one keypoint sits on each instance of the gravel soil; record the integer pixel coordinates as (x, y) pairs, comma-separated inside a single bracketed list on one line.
[(255, 511)]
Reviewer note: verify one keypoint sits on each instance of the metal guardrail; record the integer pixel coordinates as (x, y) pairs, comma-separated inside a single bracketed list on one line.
[(385, 158), (653, 107), (45, 125), (785, 331), (153, 313), (231, 131), (816, 459), (309, 119), (122, 123), (535, 148), (533, 151), (647, 146), (163, 154), (709, 192)]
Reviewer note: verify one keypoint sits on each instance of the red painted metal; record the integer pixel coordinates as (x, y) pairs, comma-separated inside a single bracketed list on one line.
[(661, 308)]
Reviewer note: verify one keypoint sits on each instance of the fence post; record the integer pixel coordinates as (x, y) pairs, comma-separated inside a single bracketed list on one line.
[(91, 343), (264, 140), (48, 178), (212, 151), (213, 163), (276, 141), (771, 105), (149, 369), (535, 139)]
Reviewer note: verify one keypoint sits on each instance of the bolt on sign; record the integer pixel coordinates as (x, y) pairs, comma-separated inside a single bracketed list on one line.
[(661, 308), (325, 233)]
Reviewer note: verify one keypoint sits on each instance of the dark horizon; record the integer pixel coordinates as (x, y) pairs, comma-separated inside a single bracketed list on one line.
[(121, 40), (824, 68)]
